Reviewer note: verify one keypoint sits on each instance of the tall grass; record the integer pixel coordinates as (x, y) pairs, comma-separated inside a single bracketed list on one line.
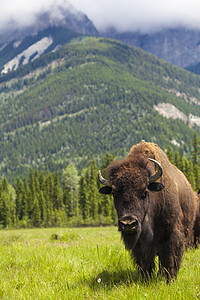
[(84, 263)]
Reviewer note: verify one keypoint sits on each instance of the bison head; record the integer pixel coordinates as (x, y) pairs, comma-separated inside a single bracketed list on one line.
[(130, 182)]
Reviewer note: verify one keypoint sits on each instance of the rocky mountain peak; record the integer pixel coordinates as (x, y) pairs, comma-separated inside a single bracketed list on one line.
[(58, 16), (179, 46)]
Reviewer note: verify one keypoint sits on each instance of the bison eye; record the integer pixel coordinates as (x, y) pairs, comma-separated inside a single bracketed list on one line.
[(116, 190)]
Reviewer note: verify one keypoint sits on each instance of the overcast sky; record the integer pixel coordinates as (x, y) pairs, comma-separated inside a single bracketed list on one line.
[(143, 15)]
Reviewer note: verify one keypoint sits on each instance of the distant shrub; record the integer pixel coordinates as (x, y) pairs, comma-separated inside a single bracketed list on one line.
[(65, 237)]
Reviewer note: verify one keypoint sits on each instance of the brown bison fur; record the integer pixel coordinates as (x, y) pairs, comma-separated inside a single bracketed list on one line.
[(163, 218), (197, 224)]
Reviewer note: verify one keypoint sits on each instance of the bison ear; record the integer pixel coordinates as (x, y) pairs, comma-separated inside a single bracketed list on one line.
[(105, 190), (156, 186)]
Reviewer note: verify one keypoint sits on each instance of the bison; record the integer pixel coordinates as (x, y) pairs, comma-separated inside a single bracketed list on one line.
[(156, 208)]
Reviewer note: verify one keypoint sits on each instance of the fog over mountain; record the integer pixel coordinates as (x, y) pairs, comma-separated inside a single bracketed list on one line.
[(141, 15), (21, 21), (169, 29), (124, 15), (24, 13)]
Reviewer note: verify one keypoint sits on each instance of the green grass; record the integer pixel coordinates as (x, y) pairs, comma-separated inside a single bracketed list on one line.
[(85, 263)]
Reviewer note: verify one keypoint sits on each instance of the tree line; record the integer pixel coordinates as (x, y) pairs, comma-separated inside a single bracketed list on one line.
[(72, 199), (46, 200)]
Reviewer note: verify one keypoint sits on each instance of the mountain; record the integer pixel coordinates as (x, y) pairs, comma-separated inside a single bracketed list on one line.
[(15, 54), (48, 31), (56, 16), (179, 46), (90, 97), (195, 68)]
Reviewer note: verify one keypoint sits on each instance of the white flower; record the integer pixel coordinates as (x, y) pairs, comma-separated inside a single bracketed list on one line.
[(99, 280)]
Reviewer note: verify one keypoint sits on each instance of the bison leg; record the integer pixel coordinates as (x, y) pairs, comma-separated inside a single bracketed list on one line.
[(145, 261), (146, 270), (170, 255)]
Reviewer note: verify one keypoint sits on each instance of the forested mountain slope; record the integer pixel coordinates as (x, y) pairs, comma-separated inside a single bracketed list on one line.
[(90, 97), (17, 53)]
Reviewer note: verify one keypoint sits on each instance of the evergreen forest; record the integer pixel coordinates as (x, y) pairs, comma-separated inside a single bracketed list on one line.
[(72, 199), (90, 97)]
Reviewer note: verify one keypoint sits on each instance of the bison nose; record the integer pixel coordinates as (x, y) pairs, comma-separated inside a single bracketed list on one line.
[(128, 223)]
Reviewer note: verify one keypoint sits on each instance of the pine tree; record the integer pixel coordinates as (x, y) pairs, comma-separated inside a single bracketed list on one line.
[(183, 164), (57, 197), (93, 195), (12, 204), (83, 198), (190, 174), (41, 179), (36, 179), (5, 218), (196, 173), (25, 201), (48, 195), (108, 159), (177, 159), (7, 204), (32, 195), (170, 154), (43, 209), (4, 185), (36, 214), (19, 188)]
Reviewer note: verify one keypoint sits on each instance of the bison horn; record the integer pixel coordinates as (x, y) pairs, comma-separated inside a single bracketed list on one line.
[(103, 180), (159, 172)]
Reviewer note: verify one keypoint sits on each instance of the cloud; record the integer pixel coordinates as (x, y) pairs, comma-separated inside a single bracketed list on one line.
[(23, 12), (124, 15), (142, 15)]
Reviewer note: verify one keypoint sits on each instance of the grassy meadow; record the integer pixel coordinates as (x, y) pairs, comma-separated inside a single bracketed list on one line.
[(83, 263)]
